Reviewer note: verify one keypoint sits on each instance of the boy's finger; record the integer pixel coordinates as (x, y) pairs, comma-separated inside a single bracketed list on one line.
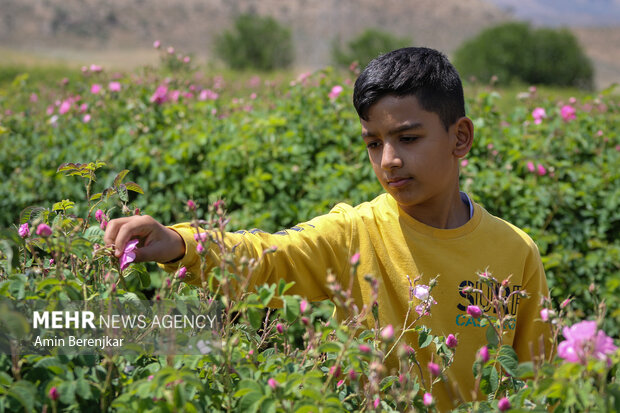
[(130, 229), (111, 230), (150, 252)]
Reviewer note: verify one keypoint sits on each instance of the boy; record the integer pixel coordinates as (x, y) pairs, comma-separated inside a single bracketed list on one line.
[(412, 112)]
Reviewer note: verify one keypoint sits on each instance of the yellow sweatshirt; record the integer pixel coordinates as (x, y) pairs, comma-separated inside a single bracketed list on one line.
[(393, 245)]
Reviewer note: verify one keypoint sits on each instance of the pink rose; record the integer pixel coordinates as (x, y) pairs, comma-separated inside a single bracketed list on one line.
[(539, 114), (129, 255), (335, 92), (585, 341), (474, 311), (388, 332), (364, 348), (54, 395), (24, 230), (483, 354), (421, 292), (530, 166), (114, 86), (65, 107), (503, 404), (434, 369), (451, 341), (44, 230), (568, 113)]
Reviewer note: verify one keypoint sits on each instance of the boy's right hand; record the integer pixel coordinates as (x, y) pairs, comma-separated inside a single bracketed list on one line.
[(157, 242)]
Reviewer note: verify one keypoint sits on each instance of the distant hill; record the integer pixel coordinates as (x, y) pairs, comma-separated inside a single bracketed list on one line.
[(74, 29), (192, 24)]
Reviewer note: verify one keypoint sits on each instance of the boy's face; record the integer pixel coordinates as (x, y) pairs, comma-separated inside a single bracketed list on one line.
[(412, 154)]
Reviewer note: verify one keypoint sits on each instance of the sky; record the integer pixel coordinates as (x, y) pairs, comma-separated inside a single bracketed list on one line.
[(565, 12)]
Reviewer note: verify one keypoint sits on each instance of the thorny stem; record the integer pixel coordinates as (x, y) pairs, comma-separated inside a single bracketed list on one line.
[(339, 359)]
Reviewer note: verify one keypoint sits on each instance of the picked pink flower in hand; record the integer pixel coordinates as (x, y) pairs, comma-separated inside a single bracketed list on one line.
[(129, 255)]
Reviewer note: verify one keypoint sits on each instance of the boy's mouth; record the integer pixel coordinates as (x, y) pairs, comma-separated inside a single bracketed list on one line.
[(398, 181)]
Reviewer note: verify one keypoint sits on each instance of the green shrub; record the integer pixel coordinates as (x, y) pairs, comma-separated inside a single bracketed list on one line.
[(256, 42), (292, 153), (366, 46), (557, 59), (278, 158), (296, 358), (516, 52)]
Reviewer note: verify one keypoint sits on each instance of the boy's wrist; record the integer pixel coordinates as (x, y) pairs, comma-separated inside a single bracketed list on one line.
[(179, 243)]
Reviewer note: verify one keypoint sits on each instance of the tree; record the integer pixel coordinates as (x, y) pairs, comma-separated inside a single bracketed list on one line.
[(256, 42), (366, 46), (516, 52)]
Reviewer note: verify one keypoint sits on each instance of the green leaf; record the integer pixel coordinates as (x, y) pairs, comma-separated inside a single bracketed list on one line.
[(25, 393), (67, 167), (255, 316), (63, 205), (249, 402), (312, 393), (268, 406), (119, 178), (508, 360), (132, 186), (306, 408), (30, 212), (493, 380), (424, 338), (330, 347), (492, 338), (83, 389), (291, 308), (387, 382), (7, 249), (5, 379), (283, 286), (122, 193), (525, 370), (266, 294)]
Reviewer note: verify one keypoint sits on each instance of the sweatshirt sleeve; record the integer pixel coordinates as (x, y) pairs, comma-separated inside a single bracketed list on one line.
[(531, 332), (303, 254)]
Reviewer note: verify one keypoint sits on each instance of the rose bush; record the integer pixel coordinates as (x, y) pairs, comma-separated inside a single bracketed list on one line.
[(296, 358), (279, 154)]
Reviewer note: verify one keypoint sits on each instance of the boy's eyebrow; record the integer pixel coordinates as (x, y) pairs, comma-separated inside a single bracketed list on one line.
[(405, 126)]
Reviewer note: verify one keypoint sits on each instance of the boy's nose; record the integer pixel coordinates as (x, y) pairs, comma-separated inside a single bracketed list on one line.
[(390, 158)]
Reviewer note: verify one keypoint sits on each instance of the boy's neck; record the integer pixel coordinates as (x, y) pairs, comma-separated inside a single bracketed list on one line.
[(446, 213)]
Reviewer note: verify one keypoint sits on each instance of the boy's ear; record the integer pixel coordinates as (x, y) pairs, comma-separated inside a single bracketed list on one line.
[(464, 131)]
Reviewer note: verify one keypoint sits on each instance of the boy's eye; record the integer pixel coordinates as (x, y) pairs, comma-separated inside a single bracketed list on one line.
[(372, 145), (408, 138)]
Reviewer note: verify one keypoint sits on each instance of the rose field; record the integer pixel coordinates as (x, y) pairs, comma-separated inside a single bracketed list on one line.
[(233, 151)]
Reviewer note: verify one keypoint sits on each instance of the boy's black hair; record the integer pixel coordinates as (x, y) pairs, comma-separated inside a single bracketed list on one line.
[(419, 71)]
